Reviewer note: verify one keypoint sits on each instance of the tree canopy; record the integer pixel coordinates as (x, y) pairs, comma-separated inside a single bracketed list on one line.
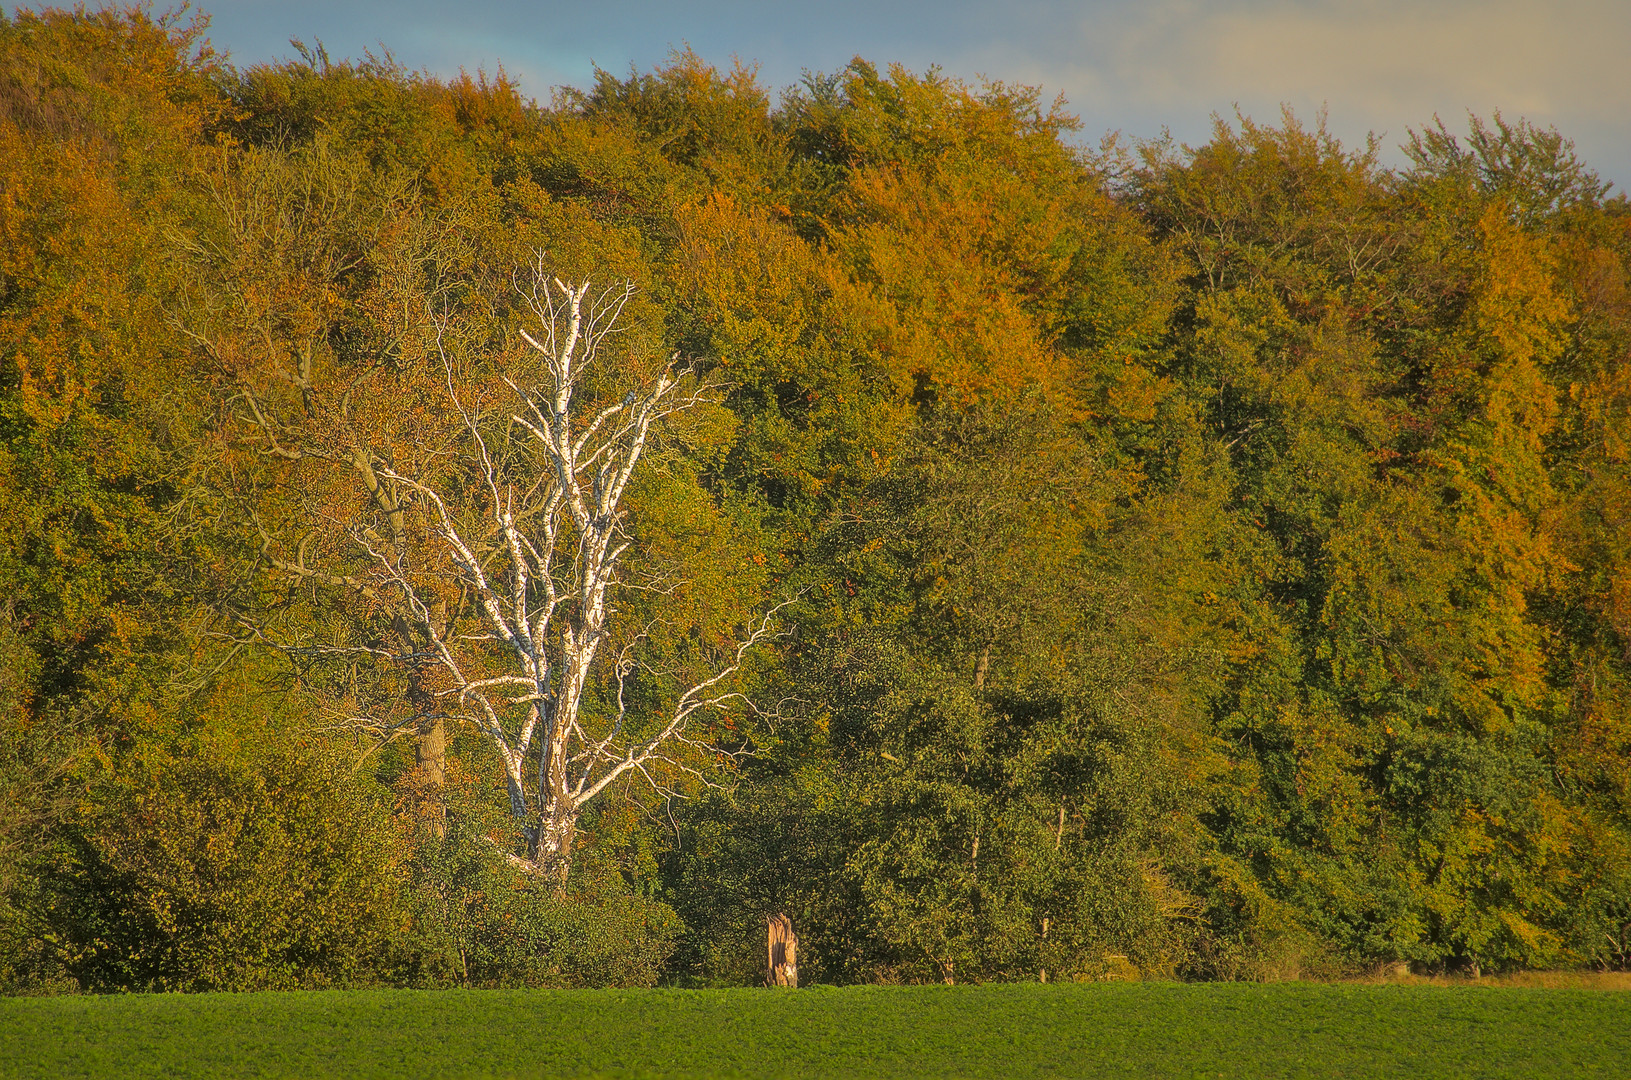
[(1198, 561)]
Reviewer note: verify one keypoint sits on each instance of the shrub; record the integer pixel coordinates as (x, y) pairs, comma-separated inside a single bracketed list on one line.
[(211, 866)]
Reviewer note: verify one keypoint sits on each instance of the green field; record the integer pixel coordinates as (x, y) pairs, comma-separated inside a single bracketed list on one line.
[(1144, 1030)]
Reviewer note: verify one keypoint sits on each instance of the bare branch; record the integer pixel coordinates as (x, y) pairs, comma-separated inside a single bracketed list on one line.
[(524, 514)]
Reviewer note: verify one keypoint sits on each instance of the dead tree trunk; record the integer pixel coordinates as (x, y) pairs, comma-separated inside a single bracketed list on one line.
[(784, 953), (524, 516)]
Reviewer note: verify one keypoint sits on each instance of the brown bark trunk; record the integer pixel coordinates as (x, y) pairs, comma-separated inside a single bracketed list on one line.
[(430, 748), (982, 666), (784, 950), (430, 756), (431, 753)]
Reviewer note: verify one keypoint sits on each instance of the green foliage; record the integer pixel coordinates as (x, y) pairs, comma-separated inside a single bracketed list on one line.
[(242, 854), (478, 921)]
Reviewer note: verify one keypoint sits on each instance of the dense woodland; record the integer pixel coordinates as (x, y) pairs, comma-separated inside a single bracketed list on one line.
[(1206, 562)]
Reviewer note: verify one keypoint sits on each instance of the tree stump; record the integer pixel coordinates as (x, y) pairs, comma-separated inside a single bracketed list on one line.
[(784, 952)]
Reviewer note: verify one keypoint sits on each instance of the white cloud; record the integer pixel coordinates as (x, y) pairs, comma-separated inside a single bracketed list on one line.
[(1380, 65)]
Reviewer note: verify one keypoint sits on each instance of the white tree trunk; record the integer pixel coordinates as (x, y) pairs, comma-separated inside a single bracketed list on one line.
[(534, 532)]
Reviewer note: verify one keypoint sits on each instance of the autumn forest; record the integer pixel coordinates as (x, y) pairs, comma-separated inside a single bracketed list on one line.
[(452, 539)]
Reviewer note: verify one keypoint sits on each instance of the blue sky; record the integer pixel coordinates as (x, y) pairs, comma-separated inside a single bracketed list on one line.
[(1375, 65)]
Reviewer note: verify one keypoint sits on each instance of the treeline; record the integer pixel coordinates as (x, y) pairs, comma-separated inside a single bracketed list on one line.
[(1208, 562)]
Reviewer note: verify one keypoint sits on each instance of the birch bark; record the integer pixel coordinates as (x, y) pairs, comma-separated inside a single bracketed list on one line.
[(531, 524)]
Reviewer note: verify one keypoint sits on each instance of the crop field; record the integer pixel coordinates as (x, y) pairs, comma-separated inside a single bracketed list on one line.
[(1141, 1029)]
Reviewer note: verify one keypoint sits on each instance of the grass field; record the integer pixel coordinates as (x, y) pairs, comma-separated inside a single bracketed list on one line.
[(1129, 1029)]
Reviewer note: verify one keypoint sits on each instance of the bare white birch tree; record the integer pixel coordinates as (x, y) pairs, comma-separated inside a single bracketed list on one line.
[(531, 522)]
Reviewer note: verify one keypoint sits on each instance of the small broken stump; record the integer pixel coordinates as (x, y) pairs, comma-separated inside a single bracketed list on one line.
[(784, 952)]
